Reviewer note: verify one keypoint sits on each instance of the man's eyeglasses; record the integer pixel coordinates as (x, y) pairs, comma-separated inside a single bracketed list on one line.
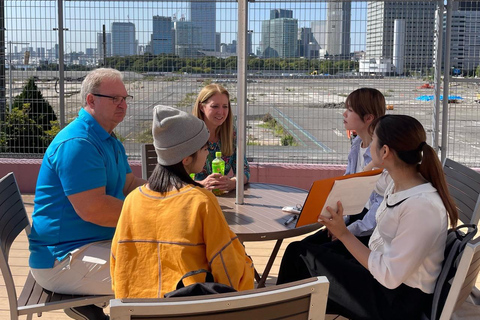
[(116, 100)]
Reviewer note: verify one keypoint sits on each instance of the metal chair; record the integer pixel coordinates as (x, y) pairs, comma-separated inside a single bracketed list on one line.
[(33, 298), (304, 299), (149, 160), (464, 186), (463, 282)]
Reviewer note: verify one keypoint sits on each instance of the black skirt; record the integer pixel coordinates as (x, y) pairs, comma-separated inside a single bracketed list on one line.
[(354, 293)]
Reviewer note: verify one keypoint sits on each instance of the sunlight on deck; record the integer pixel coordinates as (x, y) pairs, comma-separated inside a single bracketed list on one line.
[(259, 251)]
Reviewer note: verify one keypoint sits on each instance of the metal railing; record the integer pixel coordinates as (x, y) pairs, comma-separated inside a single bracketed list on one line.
[(300, 60)]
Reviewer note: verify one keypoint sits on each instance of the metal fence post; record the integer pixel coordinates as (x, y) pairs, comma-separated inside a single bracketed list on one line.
[(241, 94), (437, 80), (446, 80), (61, 65), (3, 82)]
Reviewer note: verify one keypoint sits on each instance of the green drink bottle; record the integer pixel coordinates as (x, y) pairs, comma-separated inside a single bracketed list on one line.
[(218, 166)]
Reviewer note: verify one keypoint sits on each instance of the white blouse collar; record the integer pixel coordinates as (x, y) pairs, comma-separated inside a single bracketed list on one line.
[(394, 199)]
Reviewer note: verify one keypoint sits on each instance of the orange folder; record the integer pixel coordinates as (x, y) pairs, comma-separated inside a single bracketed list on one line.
[(318, 194)]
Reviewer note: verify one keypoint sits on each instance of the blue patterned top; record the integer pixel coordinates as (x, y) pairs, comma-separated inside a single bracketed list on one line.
[(230, 161)]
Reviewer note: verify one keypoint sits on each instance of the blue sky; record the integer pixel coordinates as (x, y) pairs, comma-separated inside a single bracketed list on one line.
[(33, 21)]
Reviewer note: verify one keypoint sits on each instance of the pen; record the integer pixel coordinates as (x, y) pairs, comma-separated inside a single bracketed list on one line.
[(290, 220)]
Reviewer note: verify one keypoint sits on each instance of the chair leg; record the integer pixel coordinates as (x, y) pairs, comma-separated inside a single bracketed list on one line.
[(475, 296)]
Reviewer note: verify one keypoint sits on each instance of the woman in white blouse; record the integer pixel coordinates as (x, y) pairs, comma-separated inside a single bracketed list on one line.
[(394, 277)]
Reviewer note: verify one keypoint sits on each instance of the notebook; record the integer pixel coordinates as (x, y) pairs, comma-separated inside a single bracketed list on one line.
[(353, 190)]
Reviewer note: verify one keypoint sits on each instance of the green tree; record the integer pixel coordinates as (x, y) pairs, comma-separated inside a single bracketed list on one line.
[(24, 129), (231, 63), (477, 72)]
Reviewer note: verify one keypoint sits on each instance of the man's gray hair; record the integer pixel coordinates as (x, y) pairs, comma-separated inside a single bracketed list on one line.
[(94, 78)]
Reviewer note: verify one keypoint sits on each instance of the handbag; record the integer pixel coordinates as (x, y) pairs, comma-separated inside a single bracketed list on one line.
[(199, 288)]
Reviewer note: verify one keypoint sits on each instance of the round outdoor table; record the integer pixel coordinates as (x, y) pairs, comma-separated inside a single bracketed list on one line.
[(261, 218)]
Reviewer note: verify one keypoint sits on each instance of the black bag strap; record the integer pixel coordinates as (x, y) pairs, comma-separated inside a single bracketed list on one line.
[(208, 277), (471, 231), (456, 242)]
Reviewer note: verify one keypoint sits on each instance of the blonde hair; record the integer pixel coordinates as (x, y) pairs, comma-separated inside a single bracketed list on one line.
[(225, 131)]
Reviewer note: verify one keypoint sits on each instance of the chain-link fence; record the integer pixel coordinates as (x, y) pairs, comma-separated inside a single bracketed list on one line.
[(304, 58)]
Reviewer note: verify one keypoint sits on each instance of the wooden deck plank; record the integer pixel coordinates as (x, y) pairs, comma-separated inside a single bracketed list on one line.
[(260, 251)]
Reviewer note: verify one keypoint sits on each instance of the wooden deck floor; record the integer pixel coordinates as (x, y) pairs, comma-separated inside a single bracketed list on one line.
[(259, 251)]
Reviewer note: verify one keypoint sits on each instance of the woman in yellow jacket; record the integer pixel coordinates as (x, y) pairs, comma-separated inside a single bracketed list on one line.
[(172, 225)]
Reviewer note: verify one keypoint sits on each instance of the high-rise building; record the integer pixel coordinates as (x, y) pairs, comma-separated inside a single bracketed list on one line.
[(249, 42), (280, 13), (470, 5), (419, 20), (279, 35), (123, 39), (162, 36), (465, 36), (307, 45), (41, 53), (108, 44), (188, 42), (399, 45), (90, 52), (338, 29), (319, 30), (218, 41), (203, 17)]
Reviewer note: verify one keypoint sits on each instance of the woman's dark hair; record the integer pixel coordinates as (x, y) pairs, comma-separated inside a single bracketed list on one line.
[(366, 101), (163, 177), (406, 136)]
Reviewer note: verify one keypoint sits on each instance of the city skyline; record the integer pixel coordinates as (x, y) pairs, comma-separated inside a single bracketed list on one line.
[(141, 17), (315, 35)]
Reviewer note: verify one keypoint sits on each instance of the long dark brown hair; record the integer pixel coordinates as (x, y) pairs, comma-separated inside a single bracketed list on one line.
[(406, 136), (164, 177)]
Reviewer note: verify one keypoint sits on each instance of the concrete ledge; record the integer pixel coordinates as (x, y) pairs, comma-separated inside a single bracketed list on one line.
[(289, 174), (25, 170), (295, 175)]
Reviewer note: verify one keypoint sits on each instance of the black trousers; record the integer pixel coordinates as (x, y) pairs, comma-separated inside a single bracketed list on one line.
[(354, 293), (321, 237)]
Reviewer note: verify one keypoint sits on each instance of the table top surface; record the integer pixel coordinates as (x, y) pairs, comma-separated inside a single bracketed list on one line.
[(261, 217)]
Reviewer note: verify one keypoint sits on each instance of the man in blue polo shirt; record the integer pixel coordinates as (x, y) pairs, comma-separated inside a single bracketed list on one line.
[(82, 183)]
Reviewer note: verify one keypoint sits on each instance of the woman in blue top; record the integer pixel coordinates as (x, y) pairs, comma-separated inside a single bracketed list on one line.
[(213, 107), (362, 107)]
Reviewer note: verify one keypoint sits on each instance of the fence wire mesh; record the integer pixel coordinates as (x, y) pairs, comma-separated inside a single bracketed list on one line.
[(304, 58)]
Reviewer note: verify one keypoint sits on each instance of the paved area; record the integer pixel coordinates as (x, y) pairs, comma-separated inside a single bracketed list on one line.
[(259, 251), (308, 109)]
